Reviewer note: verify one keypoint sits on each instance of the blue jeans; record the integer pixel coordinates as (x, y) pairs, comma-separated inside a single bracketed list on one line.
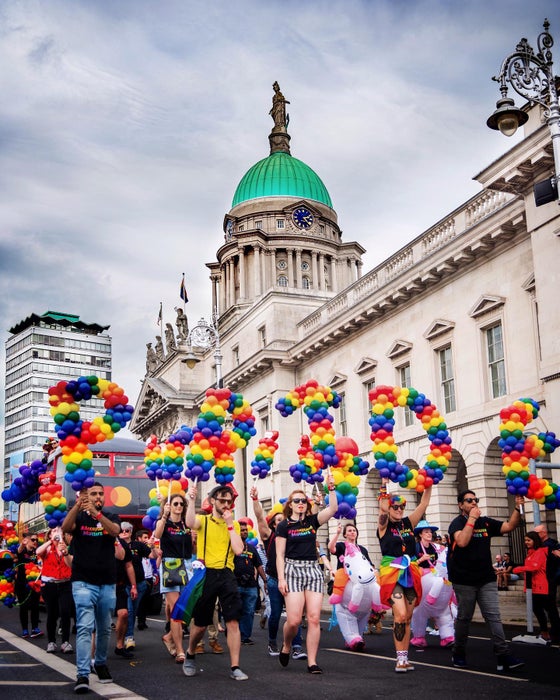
[(249, 600), (276, 607), (93, 614), (487, 598), (133, 606)]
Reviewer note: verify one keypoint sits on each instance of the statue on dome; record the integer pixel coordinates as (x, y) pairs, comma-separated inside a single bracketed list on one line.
[(278, 111), (170, 339), (159, 349), (182, 324), (151, 359)]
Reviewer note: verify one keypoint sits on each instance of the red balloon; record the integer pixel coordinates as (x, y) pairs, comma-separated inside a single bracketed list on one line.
[(346, 444)]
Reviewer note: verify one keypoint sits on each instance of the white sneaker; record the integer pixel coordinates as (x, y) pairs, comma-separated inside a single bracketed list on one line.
[(238, 675), (51, 648), (129, 643), (66, 648)]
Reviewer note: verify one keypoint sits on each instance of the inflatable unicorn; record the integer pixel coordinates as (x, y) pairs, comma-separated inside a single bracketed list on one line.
[(355, 594), (437, 594)]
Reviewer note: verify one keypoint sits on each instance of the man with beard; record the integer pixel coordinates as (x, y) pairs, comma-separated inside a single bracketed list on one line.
[(218, 541), (93, 580)]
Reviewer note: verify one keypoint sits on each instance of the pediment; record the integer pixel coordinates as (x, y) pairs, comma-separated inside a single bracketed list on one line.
[(437, 328), (365, 365), (486, 303), (301, 203), (398, 348), (337, 380), (529, 284)]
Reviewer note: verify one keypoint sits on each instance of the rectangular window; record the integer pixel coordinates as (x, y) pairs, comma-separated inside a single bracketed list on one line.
[(262, 336), (496, 360), (258, 225), (369, 386), (404, 378), (279, 223), (447, 380), (235, 356), (342, 414)]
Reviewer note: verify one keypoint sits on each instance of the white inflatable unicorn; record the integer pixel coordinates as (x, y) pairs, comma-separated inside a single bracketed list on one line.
[(355, 595), (437, 593)]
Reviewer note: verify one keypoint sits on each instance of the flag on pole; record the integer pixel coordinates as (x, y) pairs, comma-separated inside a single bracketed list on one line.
[(160, 315), (183, 290)]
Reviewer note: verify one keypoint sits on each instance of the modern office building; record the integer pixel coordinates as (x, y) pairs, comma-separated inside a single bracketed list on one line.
[(42, 350)]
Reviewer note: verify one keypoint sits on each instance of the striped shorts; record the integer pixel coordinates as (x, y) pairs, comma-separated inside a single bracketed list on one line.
[(304, 576)]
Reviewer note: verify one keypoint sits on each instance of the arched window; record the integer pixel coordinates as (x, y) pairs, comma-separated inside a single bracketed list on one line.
[(306, 283), (282, 281)]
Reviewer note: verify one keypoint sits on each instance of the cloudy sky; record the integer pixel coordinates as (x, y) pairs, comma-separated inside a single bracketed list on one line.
[(125, 126)]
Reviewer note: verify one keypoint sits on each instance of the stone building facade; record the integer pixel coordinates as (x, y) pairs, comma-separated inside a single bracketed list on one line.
[(465, 312)]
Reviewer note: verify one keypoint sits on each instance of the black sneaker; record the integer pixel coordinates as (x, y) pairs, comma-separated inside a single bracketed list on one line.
[(103, 674), (247, 642), (459, 661), (82, 685), (509, 663), (125, 653)]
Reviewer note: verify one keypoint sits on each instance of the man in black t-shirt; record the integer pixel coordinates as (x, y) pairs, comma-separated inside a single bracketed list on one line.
[(471, 572), (246, 567), (93, 580)]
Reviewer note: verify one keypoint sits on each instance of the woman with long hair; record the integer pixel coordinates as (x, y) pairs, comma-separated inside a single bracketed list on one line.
[(300, 578), (534, 571), (176, 567), (400, 576)]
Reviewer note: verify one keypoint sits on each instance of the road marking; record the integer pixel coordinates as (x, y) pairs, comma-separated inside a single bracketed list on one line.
[(111, 691), (423, 663), (35, 683)]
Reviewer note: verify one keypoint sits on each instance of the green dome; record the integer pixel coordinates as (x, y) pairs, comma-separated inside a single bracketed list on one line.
[(281, 175)]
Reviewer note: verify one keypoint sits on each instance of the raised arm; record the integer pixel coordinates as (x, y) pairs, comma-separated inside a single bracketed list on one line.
[(384, 502), (514, 518), (331, 509), (418, 513), (264, 530), (334, 538), (191, 519)]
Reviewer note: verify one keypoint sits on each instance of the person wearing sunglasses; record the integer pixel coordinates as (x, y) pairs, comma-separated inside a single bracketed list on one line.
[(300, 577), (27, 597), (472, 574), (399, 573), (217, 542), (176, 566)]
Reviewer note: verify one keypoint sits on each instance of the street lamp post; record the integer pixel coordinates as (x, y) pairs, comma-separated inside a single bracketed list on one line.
[(205, 335), (531, 75)]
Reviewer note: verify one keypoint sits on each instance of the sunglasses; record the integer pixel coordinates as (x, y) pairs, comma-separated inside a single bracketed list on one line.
[(178, 504), (127, 530), (299, 500), (225, 501), (398, 507), (33, 539), (471, 500)]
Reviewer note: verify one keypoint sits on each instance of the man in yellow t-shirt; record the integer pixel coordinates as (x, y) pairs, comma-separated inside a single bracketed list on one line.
[(218, 541)]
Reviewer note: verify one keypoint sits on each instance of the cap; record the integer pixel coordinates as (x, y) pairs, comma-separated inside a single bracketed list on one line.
[(222, 487)]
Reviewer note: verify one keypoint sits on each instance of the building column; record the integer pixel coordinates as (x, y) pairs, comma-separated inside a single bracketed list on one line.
[(314, 273), (223, 289), (321, 271), (273, 268), (290, 253), (334, 281), (299, 280), (257, 271), (359, 266), (242, 290), (231, 280), (214, 279)]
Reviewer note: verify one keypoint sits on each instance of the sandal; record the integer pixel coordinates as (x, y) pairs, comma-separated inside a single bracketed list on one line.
[(170, 646), (180, 659), (316, 670)]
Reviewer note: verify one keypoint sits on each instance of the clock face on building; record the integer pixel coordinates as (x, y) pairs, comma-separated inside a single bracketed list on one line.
[(305, 266), (302, 218), (281, 264), (229, 229)]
